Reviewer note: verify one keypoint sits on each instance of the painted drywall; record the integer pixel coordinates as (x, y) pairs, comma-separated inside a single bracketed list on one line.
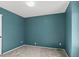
[(75, 29), (46, 31), (68, 30), (72, 31), (13, 30)]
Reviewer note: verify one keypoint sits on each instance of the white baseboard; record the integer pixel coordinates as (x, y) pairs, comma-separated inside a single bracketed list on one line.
[(65, 52), (41, 46), (13, 49)]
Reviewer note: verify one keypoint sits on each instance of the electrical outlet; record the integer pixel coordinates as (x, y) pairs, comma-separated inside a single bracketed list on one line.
[(35, 43), (60, 44)]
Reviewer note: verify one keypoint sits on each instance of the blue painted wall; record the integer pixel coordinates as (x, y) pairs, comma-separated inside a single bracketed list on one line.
[(46, 30), (68, 30), (75, 29), (13, 30), (72, 31)]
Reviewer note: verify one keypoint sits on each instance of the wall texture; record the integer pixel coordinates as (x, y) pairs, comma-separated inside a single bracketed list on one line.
[(13, 30), (68, 29), (46, 31), (75, 29), (72, 31)]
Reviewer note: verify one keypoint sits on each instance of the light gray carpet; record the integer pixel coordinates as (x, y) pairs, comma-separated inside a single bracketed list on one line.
[(35, 51)]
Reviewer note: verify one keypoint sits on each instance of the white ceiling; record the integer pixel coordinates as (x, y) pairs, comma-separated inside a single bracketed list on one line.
[(41, 7)]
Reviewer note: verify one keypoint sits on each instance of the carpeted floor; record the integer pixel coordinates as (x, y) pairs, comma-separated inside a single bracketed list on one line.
[(35, 51)]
